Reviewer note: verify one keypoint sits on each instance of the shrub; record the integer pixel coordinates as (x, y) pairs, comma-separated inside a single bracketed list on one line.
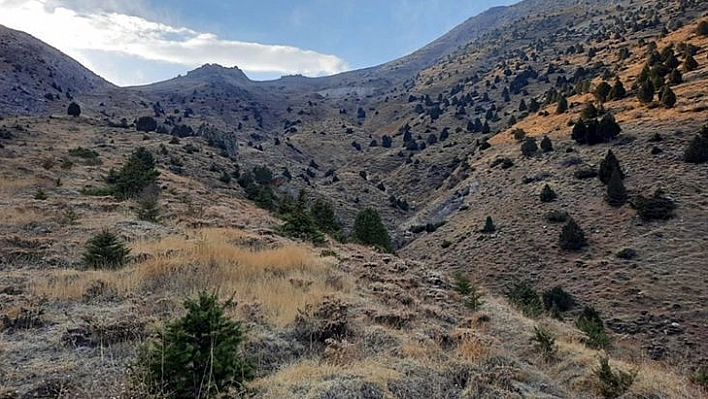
[(369, 230), (40, 195), (198, 354), (137, 174), (105, 250), (146, 124), (523, 295), (546, 144), (148, 205), (585, 173), (545, 342), (602, 91), (489, 226), (626, 253), (562, 105), (572, 236), (690, 63), (667, 97), (700, 376), (592, 131), (529, 147), (645, 92), (300, 224), (658, 206), (547, 194), (608, 166), (519, 134), (697, 150), (613, 384), (463, 285), (616, 192), (557, 300), (556, 216), (81, 152), (618, 91), (702, 28), (591, 324), (74, 109), (588, 112)]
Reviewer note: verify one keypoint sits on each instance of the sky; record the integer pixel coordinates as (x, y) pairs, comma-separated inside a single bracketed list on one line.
[(133, 42)]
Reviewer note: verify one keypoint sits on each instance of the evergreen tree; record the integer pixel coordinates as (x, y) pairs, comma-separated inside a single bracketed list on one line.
[(616, 192), (105, 250), (667, 97), (702, 29), (572, 237), (369, 230), (697, 150), (198, 354), (602, 91), (74, 109), (300, 224), (689, 64), (529, 147), (323, 214), (547, 194), (675, 77), (589, 111), (562, 105), (146, 124), (489, 226), (618, 91), (137, 174), (148, 204), (608, 166), (546, 144), (645, 93)]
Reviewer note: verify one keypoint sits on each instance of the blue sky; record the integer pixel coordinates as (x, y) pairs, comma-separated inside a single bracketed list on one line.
[(143, 41)]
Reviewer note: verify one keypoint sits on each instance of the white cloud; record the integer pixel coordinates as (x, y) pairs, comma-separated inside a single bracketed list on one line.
[(81, 33)]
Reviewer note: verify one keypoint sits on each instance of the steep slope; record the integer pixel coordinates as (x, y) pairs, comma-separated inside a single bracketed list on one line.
[(37, 78)]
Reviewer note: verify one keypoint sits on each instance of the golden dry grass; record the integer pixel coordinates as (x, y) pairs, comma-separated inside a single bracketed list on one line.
[(313, 373), (282, 279)]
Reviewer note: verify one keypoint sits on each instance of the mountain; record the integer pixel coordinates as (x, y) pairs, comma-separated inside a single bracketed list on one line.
[(36, 75), (436, 142)]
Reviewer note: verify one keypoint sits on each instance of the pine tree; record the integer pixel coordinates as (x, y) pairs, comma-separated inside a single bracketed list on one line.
[(562, 105), (616, 192), (148, 204), (667, 97), (138, 173), (323, 214), (618, 91), (105, 250), (675, 77), (572, 236), (547, 194), (697, 150), (369, 230), (589, 111), (608, 166), (546, 144), (489, 226), (198, 354), (529, 147), (689, 64), (602, 91), (300, 224), (645, 93)]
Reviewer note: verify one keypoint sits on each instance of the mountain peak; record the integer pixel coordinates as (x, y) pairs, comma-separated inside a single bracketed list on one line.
[(215, 70)]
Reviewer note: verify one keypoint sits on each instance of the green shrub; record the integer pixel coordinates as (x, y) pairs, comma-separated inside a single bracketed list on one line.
[(700, 376), (462, 284), (519, 134), (591, 324), (572, 236), (105, 250), (523, 295), (137, 174), (544, 342), (613, 384), (658, 206), (369, 230), (547, 194), (197, 355)]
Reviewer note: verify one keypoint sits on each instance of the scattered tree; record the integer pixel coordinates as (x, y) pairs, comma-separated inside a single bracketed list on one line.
[(146, 124), (489, 226), (547, 194), (369, 230), (74, 109), (529, 147), (697, 150), (562, 105), (667, 97), (602, 92), (137, 174), (546, 144), (197, 355), (618, 91), (608, 166), (616, 192), (105, 250), (572, 237)]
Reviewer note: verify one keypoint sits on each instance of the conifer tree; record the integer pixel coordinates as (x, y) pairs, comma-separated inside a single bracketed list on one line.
[(667, 97), (645, 92), (697, 150), (572, 236), (546, 144), (690, 63), (369, 230), (547, 194), (608, 166), (105, 250), (562, 105), (489, 226), (616, 192), (618, 91)]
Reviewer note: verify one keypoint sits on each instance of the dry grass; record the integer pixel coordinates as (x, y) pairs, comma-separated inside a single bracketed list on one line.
[(281, 279), (310, 372)]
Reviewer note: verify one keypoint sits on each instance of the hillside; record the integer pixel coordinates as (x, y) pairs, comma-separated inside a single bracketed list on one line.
[(433, 142)]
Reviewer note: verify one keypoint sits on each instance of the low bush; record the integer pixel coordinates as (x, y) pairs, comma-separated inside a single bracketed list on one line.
[(592, 325), (523, 295), (613, 384)]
